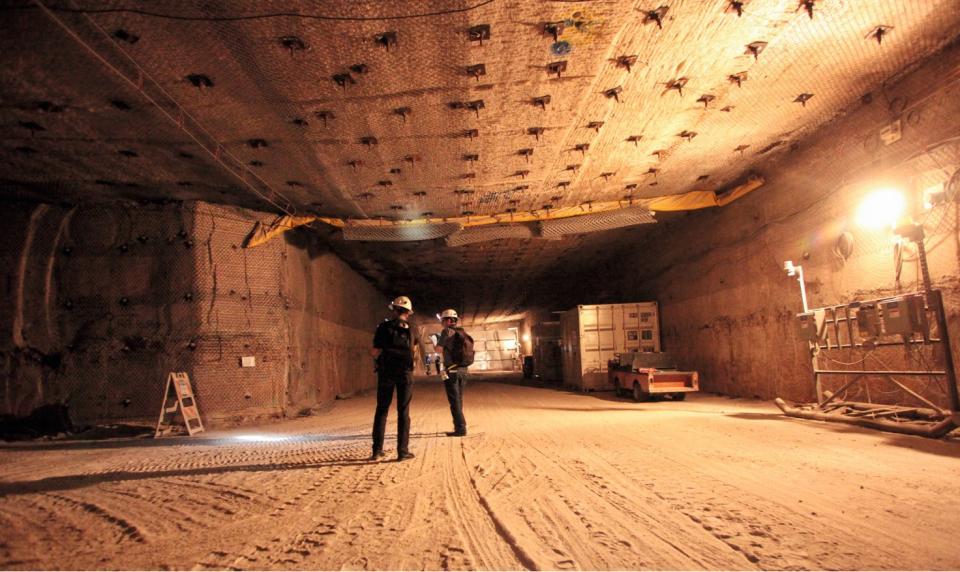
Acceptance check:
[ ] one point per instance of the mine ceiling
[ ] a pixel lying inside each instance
(405, 109)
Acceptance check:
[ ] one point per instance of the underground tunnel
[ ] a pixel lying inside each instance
(480, 284)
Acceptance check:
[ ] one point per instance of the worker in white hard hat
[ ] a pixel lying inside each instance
(393, 348)
(457, 347)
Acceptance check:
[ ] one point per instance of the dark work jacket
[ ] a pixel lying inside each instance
(395, 338)
(445, 341)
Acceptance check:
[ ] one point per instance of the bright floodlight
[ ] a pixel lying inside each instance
(882, 208)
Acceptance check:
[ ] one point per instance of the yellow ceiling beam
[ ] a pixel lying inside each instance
(693, 200)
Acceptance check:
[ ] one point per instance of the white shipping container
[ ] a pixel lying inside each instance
(591, 335)
(495, 349)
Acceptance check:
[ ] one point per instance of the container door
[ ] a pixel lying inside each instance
(631, 328)
(649, 327)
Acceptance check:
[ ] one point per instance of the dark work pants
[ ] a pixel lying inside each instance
(454, 387)
(386, 383)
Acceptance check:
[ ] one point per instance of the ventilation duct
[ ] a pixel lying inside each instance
(488, 233)
(596, 222)
(402, 233)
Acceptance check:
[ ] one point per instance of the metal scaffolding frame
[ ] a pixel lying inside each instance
(836, 332)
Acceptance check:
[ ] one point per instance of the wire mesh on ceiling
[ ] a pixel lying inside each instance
(399, 233)
(339, 122)
(596, 222)
(488, 233)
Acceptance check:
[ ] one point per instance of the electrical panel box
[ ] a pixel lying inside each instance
(902, 316)
(807, 326)
(868, 321)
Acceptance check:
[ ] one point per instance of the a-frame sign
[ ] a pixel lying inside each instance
(178, 397)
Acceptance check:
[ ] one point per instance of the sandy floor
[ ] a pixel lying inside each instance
(546, 480)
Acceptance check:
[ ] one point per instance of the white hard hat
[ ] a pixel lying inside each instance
(449, 313)
(402, 302)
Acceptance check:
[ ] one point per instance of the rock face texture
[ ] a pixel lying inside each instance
(104, 300)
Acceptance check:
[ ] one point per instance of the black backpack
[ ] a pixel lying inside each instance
(462, 348)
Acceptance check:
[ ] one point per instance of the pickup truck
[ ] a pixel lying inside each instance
(649, 376)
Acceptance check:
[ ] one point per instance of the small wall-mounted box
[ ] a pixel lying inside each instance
(248, 361)
(807, 327)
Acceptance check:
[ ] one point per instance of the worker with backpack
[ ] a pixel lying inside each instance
(458, 355)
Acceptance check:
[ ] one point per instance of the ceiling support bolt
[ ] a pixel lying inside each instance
(479, 33)
(627, 62)
(477, 70)
(754, 49)
(293, 44)
(879, 33)
(803, 98)
(325, 115)
(475, 106)
(678, 84)
(554, 29)
(385, 40)
(200, 81)
(342, 79)
(656, 16)
(614, 93)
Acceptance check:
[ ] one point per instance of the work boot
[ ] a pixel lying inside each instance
(405, 456)
(461, 433)
(377, 455)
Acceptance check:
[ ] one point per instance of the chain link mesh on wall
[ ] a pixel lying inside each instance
(239, 297)
(99, 306)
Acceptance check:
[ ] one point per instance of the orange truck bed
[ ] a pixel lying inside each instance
(645, 384)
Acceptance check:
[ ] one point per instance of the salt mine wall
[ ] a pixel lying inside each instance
(108, 298)
(728, 308)
(96, 306)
